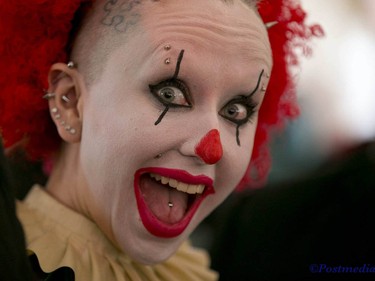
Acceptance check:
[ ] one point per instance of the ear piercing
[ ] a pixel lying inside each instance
(270, 24)
(56, 115)
(71, 64)
(49, 95)
(65, 98)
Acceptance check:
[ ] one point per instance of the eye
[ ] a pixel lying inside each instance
(172, 93)
(237, 112)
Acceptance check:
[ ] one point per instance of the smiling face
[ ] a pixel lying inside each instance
(165, 136)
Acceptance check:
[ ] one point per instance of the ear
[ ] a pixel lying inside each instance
(66, 87)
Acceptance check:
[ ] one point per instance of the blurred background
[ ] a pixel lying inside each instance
(336, 93)
(336, 89)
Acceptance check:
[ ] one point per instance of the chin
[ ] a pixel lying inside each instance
(153, 252)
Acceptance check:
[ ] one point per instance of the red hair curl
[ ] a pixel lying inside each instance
(34, 34)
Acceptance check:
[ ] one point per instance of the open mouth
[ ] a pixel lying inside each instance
(167, 199)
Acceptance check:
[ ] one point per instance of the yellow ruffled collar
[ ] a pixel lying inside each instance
(61, 237)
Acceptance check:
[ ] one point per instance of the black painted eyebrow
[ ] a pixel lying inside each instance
(175, 75)
(180, 56)
(257, 86)
(247, 99)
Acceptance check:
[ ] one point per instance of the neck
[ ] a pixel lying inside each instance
(66, 182)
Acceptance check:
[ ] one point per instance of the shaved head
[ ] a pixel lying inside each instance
(108, 25)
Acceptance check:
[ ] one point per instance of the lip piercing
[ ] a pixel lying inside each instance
(158, 156)
(263, 88)
(167, 61)
(167, 47)
(267, 75)
(170, 204)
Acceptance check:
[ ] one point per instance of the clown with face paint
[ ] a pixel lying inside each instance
(156, 113)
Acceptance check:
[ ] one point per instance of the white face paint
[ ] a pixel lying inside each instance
(225, 50)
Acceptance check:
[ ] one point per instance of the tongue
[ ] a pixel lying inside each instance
(157, 197)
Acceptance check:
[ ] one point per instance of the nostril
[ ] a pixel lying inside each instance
(209, 149)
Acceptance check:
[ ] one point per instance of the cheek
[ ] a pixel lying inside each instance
(236, 160)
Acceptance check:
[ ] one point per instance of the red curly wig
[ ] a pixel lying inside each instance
(34, 34)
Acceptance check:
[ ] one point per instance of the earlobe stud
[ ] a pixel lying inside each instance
(68, 128)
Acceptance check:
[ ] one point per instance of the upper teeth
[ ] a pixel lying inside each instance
(181, 186)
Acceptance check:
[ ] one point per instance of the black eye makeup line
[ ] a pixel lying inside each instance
(247, 100)
(175, 75)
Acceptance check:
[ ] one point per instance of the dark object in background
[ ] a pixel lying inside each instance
(14, 264)
(278, 232)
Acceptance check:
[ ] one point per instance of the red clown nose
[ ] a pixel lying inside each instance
(209, 148)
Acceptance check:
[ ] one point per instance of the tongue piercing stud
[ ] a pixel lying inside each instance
(170, 204)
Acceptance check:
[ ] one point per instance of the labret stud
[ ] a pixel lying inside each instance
(167, 47)
(167, 61)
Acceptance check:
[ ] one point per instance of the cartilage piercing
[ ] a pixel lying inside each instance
(49, 95)
(65, 98)
(71, 64)
(270, 24)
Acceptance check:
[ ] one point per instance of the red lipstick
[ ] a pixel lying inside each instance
(154, 225)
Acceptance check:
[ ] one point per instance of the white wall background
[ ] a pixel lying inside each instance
(336, 88)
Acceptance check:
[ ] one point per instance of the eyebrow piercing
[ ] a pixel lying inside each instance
(168, 61)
